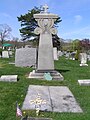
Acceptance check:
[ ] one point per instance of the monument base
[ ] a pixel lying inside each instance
(83, 64)
(39, 74)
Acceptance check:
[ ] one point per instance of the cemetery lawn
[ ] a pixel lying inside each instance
(12, 92)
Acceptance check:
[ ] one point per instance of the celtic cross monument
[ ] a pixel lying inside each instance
(45, 29)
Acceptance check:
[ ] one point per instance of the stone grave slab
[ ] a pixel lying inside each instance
(58, 99)
(84, 82)
(9, 78)
(63, 100)
(25, 57)
(31, 118)
(32, 94)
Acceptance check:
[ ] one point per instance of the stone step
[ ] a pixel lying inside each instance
(55, 75)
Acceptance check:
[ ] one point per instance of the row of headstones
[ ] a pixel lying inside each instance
(82, 56)
(72, 55)
(6, 54)
(26, 57)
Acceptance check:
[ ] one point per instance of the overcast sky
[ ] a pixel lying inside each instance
(75, 15)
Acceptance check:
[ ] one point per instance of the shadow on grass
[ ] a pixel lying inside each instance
(61, 71)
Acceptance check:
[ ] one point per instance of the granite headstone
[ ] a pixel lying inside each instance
(25, 57)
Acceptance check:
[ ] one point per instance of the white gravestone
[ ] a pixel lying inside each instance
(25, 57)
(83, 58)
(5, 54)
(60, 53)
(55, 53)
(9, 78)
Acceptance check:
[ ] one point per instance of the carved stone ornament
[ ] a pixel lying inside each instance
(38, 30)
(53, 31)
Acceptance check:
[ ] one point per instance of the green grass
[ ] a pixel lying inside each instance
(12, 92)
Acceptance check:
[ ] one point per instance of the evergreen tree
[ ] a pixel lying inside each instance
(28, 23)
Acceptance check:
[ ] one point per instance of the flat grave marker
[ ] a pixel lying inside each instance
(58, 99)
(31, 118)
(84, 82)
(9, 78)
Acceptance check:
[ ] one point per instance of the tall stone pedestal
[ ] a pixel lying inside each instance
(45, 62)
(45, 53)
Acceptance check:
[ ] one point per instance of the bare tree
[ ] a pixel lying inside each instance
(15, 41)
(4, 32)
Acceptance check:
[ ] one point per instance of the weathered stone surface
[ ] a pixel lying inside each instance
(84, 82)
(45, 53)
(63, 100)
(25, 57)
(32, 93)
(9, 78)
(5, 54)
(58, 99)
(39, 118)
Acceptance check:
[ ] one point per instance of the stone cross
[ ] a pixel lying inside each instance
(38, 101)
(45, 7)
